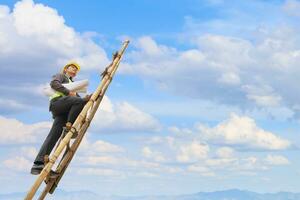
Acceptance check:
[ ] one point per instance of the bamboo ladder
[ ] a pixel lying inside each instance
(80, 126)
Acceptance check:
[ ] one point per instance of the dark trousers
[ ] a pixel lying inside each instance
(65, 109)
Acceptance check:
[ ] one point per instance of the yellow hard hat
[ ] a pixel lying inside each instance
(74, 64)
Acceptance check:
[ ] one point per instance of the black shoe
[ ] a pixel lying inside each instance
(37, 168)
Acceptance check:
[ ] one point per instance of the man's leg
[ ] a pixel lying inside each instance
(75, 111)
(49, 142)
(70, 105)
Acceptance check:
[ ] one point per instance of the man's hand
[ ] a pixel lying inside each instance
(72, 94)
(87, 97)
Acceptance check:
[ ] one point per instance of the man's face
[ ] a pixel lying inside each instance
(71, 71)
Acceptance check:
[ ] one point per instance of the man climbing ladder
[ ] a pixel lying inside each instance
(65, 106)
(80, 127)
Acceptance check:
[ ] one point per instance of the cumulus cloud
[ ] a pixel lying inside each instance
(237, 165)
(28, 152)
(100, 172)
(35, 43)
(122, 117)
(16, 132)
(244, 133)
(291, 7)
(154, 155)
(192, 152)
(205, 160)
(17, 163)
(159, 140)
(101, 160)
(251, 163)
(192, 72)
(99, 147)
(277, 160)
(227, 70)
(197, 148)
(11, 106)
(128, 167)
(200, 169)
(176, 148)
(221, 163)
(225, 152)
(262, 95)
(238, 132)
(116, 161)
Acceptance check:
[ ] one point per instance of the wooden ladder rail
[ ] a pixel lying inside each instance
(79, 125)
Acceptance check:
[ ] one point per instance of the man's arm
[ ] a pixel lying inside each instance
(57, 82)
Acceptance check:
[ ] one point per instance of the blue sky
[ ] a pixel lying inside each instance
(205, 99)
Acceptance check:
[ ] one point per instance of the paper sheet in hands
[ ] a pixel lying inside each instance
(76, 86)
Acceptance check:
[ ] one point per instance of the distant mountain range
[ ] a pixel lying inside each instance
(218, 195)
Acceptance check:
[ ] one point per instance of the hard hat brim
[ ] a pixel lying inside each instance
(72, 64)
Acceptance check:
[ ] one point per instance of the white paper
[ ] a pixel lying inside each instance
(76, 86)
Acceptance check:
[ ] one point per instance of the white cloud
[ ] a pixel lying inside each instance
(225, 152)
(100, 160)
(180, 132)
(192, 152)
(243, 132)
(200, 169)
(100, 172)
(263, 95)
(221, 163)
(125, 167)
(11, 106)
(46, 28)
(251, 163)
(99, 147)
(120, 173)
(155, 155)
(167, 141)
(277, 160)
(16, 132)
(194, 70)
(122, 117)
(150, 47)
(18, 164)
(241, 165)
(28, 152)
(230, 78)
(257, 72)
(220, 49)
(238, 133)
(147, 175)
(292, 7)
(120, 161)
(153, 164)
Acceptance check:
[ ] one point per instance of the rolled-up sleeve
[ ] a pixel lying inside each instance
(57, 82)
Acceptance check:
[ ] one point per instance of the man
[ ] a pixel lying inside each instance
(65, 106)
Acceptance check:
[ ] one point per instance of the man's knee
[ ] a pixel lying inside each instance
(76, 100)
